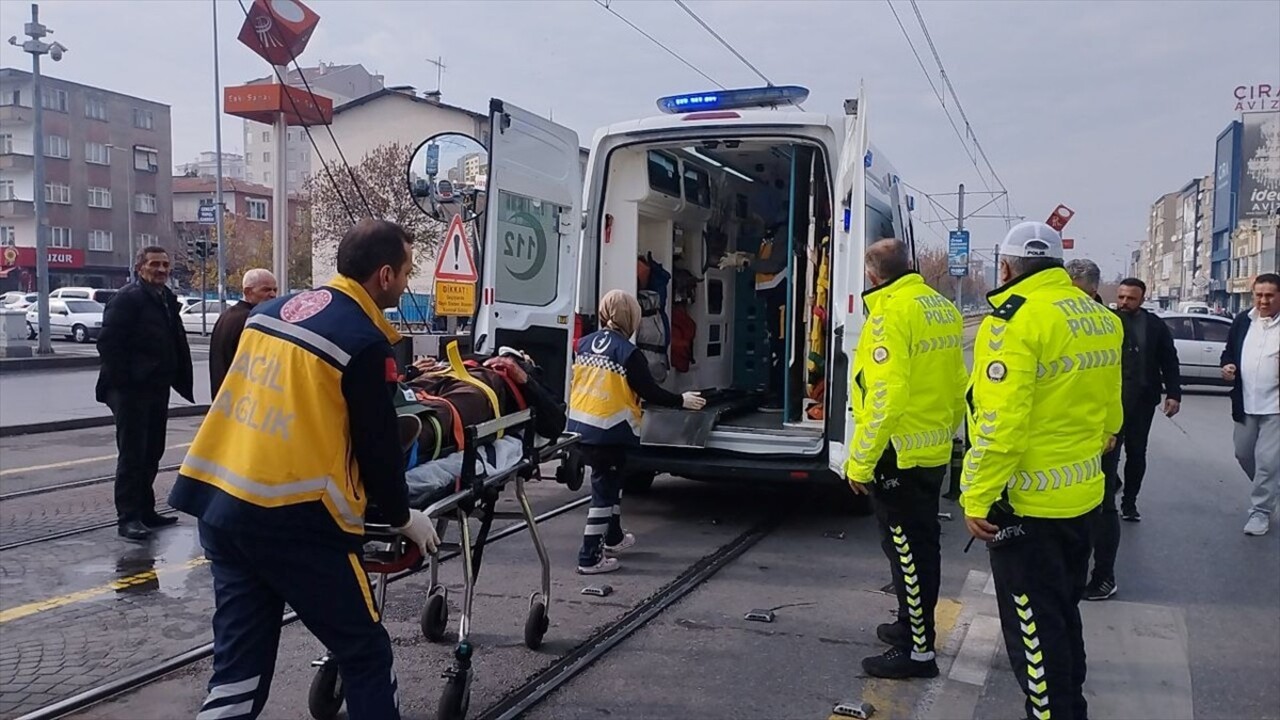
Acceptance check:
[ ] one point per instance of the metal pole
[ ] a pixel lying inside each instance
(960, 226)
(129, 168)
(217, 147)
(280, 197)
(204, 289)
(44, 347)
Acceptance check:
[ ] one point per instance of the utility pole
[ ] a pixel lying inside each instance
(960, 226)
(280, 195)
(440, 66)
(37, 47)
(217, 148)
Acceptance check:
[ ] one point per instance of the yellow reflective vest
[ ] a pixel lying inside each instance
(1043, 399)
(603, 409)
(274, 451)
(908, 378)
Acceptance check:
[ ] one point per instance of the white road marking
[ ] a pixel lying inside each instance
(974, 660)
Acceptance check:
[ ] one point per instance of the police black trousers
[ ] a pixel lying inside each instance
(1039, 567)
(1106, 522)
(906, 506)
(142, 418)
(604, 518)
(253, 578)
(1137, 428)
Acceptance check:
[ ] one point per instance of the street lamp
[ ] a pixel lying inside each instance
(37, 47)
(129, 169)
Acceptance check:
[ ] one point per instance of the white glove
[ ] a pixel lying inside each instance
(422, 531)
(735, 260)
(693, 401)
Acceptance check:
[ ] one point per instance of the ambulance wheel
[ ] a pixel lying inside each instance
(535, 625)
(638, 483)
(435, 618)
(455, 700)
(324, 700)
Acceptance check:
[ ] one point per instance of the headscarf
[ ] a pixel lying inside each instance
(620, 312)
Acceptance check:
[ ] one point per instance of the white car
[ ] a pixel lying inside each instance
(79, 320)
(83, 293)
(191, 320)
(15, 300)
(1199, 340)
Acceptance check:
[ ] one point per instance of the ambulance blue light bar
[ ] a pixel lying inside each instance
(773, 96)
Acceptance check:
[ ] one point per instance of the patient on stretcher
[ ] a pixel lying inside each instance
(447, 399)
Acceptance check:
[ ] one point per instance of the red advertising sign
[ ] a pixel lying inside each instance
(261, 103)
(278, 30)
(26, 257)
(1068, 244)
(1059, 218)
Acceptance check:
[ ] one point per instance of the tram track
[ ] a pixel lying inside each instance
(73, 484)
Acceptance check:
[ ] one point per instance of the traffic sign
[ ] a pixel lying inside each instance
(1068, 244)
(1059, 218)
(455, 261)
(207, 215)
(455, 299)
(958, 253)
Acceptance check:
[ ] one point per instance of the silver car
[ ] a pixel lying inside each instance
(1200, 340)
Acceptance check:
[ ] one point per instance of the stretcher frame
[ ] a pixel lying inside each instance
(475, 496)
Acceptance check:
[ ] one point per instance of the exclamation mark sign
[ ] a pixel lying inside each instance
(457, 252)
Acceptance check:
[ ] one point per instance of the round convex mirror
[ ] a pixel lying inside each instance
(448, 174)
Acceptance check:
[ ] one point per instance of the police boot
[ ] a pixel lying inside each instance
(896, 664)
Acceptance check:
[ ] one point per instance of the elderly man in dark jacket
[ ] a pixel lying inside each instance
(259, 286)
(144, 353)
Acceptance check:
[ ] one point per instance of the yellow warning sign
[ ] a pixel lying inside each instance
(455, 299)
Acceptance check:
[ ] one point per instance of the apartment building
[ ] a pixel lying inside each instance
(340, 83)
(107, 184)
(206, 165)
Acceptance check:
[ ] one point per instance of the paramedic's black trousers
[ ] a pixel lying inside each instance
(906, 505)
(253, 577)
(604, 519)
(141, 417)
(1039, 566)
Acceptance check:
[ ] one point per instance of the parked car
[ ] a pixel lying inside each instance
(98, 295)
(16, 300)
(1199, 340)
(191, 320)
(74, 319)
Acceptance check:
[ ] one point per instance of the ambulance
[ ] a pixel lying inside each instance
(686, 205)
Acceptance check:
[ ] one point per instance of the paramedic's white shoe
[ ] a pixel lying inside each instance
(627, 541)
(606, 565)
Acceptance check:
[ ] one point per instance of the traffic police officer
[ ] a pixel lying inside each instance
(300, 437)
(1044, 405)
(610, 378)
(908, 399)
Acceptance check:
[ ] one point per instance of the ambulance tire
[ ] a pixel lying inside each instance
(638, 483)
(324, 699)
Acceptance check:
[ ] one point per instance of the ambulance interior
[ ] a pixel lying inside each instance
(675, 217)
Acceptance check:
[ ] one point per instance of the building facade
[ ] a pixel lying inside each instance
(107, 183)
(340, 83)
(206, 165)
(1164, 254)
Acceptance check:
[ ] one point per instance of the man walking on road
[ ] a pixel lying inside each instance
(1251, 363)
(144, 353)
(1044, 405)
(908, 383)
(1150, 365)
(1086, 275)
(259, 285)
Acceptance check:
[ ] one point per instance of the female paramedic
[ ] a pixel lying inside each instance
(610, 377)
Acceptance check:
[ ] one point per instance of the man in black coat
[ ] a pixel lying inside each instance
(1150, 367)
(259, 286)
(144, 353)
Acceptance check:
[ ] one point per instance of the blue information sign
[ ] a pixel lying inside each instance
(958, 253)
(207, 215)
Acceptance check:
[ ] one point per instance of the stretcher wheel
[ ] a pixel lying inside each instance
(435, 617)
(637, 483)
(454, 700)
(535, 626)
(570, 473)
(324, 699)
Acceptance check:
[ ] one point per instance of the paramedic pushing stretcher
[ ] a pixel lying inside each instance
(908, 399)
(301, 436)
(610, 376)
(1044, 405)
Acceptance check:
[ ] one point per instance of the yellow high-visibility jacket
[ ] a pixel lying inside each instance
(1043, 399)
(908, 378)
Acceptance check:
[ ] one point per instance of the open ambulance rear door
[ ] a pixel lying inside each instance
(529, 253)
(847, 282)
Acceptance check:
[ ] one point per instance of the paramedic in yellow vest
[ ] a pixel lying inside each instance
(610, 377)
(299, 441)
(1044, 405)
(770, 267)
(907, 385)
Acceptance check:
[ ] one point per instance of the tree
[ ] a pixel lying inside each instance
(933, 266)
(381, 177)
(248, 245)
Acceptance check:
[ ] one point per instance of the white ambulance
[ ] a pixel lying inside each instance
(714, 175)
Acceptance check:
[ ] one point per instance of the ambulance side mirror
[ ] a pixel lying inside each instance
(448, 175)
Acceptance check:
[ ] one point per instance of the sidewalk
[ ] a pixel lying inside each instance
(51, 396)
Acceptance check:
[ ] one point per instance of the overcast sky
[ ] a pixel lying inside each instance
(1103, 106)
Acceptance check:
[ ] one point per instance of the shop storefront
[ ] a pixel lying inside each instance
(67, 268)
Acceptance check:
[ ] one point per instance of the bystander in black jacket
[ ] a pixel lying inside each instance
(1231, 356)
(223, 343)
(1156, 373)
(143, 345)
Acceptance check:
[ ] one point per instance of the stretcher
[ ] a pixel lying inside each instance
(473, 495)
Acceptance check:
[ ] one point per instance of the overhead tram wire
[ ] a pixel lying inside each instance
(727, 45)
(605, 4)
(328, 173)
